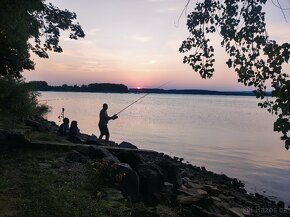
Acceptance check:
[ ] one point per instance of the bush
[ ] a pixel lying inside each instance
(18, 102)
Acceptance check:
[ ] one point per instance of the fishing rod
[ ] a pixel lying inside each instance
(140, 99)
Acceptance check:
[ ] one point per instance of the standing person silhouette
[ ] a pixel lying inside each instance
(103, 123)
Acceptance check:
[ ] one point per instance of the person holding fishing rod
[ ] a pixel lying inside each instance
(104, 118)
(103, 123)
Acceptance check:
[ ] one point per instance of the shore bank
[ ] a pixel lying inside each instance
(146, 183)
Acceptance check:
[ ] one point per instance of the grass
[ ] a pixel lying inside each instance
(47, 136)
(27, 188)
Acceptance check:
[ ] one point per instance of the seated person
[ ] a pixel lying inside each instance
(74, 130)
(63, 129)
(74, 133)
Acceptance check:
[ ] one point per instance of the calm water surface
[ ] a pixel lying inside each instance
(226, 134)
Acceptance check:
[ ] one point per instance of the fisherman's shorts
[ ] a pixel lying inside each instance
(104, 129)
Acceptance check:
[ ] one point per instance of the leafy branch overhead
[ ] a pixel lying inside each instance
(31, 25)
(255, 57)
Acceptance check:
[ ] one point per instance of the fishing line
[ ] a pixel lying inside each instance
(140, 98)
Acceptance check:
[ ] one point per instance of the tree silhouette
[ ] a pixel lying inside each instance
(25, 26)
(31, 25)
(252, 54)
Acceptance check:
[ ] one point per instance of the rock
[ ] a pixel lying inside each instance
(187, 200)
(222, 196)
(111, 158)
(36, 125)
(53, 125)
(166, 194)
(224, 206)
(127, 145)
(212, 190)
(130, 158)
(183, 173)
(83, 149)
(91, 140)
(140, 210)
(42, 125)
(168, 185)
(164, 211)
(111, 194)
(171, 172)
(193, 185)
(185, 180)
(75, 156)
(129, 180)
(45, 165)
(281, 204)
(259, 196)
(193, 192)
(236, 212)
(75, 139)
(151, 180)
(237, 183)
(199, 211)
(217, 199)
(99, 152)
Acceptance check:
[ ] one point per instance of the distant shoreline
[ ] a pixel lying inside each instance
(121, 88)
(192, 92)
(171, 91)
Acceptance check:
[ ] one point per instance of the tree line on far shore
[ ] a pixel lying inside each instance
(95, 87)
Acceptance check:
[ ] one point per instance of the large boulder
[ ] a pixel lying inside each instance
(128, 180)
(90, 140)
(42, 125)
(127, 145)
(102, 153)
(129, 157)
(171, 172)
(151, 181)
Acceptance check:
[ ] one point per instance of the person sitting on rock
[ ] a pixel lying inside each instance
(74, 130)
(74, 133)
(63, 129)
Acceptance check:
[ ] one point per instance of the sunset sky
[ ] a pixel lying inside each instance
(135, 42)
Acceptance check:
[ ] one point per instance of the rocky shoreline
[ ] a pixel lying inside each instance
(150, 183)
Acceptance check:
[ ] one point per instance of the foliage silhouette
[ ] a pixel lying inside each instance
(252, 54)
(31, 25)
(96, 87)
(25, 26)
(17, 102)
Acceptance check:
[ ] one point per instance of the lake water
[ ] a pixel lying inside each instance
(226, 134)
